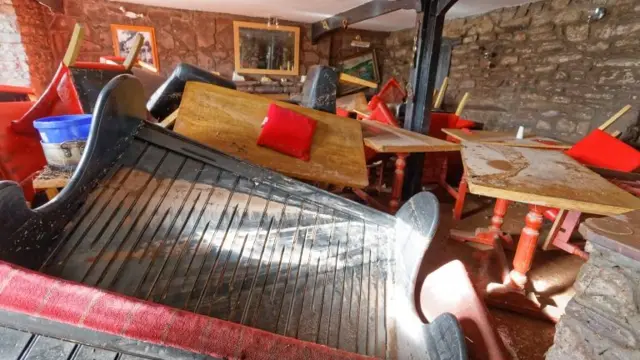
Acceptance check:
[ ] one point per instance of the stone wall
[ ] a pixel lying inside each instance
(543, 65)
(201, 38)
(399, 45)
(13, 66)
(602, 321)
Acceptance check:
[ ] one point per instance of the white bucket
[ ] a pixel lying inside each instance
(63, 155)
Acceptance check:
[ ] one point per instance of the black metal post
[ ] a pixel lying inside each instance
(422, 82)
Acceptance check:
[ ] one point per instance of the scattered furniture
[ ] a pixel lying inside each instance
(389, 139)
(230, 121)
(166, 99)
(212, 256)
(50, 180)
(542, 179)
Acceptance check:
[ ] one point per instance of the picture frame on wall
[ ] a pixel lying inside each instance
(266, 49)
(123, 38)
(363, 65)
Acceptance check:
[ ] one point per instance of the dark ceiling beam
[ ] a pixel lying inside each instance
(360, 13)
(445, 5)
(422, 82)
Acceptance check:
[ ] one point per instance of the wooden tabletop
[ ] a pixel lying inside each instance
(388, 139)
(230, 121)
(548, 178)
(505, 138)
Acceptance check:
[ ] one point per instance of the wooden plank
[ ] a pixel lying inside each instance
(462, 104)
(535, 142)
(555, 228)
(170, 120)
(548, 178)
(73, 49)
(440, 97)
(478, 135)
(230, 121)
(388, 139)
(356, 80)
(132, 58)
(614, 118)
(506, 138)
(353, 102)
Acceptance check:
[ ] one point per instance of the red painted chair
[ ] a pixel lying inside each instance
(72, 90)
(598, 149)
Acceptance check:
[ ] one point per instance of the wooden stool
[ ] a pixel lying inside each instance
(50, 180)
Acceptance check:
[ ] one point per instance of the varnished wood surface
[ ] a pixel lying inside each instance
(506, 138)
(387, 139)
(230, 121)
(541, 177)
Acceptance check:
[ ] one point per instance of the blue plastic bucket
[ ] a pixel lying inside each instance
(58, 129)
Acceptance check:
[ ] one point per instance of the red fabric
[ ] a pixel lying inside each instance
(31, 293)
(288, 132)
(603, 150)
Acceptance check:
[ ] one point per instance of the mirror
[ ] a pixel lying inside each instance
(266, 49)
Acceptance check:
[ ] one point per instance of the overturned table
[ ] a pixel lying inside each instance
(543, 179)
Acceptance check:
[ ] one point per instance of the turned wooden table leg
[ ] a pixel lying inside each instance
(398, 181)
(499, 211)
(527, 246)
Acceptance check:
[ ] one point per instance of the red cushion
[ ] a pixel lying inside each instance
(603, 150)
(287, 132)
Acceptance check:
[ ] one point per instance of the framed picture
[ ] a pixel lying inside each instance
(363, 65)
(268, 50)
(123, 37)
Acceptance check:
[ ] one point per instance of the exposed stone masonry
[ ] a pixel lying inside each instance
(602, 321)
(542, 65)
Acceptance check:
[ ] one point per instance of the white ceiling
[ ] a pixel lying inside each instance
(308, 11)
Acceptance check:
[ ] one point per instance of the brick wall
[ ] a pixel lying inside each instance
(201, 38)
(544, 66)
(13, 66)
(35, 40)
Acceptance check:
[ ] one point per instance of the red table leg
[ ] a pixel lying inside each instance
(398, 181)
(462, 193)
(527, 246)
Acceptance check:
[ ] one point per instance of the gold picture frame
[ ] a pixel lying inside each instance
(122, 37)
(279, 62)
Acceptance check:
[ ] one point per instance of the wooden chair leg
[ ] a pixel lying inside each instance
(51, 193)
(563, 235)
(462, 193)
